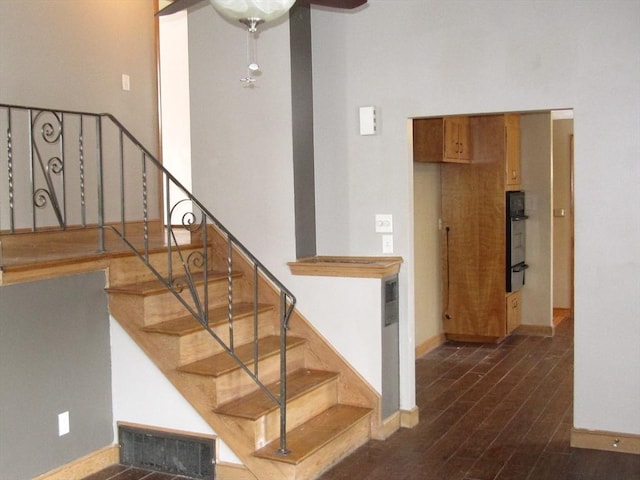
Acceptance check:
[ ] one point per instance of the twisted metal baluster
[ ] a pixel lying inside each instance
(255, 319)
(145, 218)
(99, 151)
(205, 269)
(230, 292)
(123, 223)
(32, 169)
(62, 171)
(83, 203)
(10, 173)
(167, 192)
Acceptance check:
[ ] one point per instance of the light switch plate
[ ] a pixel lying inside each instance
(387, 243)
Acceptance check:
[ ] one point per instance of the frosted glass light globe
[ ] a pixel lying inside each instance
(265, 10)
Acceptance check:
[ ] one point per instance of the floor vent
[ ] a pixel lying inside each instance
(167, 452)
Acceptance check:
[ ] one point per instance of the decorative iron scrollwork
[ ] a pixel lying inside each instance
(46, 130)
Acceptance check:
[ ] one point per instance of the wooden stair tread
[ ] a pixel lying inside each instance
(153, 287)
(258, 404)
(217, 316)
(311, 436)
(222, 363)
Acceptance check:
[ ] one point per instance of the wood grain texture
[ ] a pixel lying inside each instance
(360, 267)
(442, 139)
(474, 230)
(84, 466)
(608, 441)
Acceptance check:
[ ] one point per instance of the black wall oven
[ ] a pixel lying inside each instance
(516, 241)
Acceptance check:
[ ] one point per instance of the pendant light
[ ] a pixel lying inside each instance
(252, 13)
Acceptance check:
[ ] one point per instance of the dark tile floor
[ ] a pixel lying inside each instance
(487, 412)
(491, 412)
(122, 472)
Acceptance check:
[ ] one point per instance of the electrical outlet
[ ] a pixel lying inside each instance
(63, 424)
(384, 223)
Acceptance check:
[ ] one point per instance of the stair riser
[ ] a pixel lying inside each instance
(299, 411)
(237, 383)
(199, 345)
(133, 270)
(165, 306)
(332, 453)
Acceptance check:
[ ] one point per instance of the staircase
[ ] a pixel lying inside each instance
(220, 327)
(330, 411)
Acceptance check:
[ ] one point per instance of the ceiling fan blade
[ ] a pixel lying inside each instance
(177, 6)
(347, 4)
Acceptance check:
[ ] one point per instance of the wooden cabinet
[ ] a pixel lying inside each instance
(442, 139)
(474, 234)
(514, 311)
(512, 151)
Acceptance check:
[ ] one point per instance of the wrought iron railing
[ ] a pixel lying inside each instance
(68, 170)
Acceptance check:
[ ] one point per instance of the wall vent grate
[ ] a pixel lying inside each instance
(167, 452)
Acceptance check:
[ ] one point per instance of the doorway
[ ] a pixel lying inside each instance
(562, 215)
(552, 194)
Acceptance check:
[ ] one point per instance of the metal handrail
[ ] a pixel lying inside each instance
(60, 165)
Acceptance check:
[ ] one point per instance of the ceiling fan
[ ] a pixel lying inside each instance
(179, 5)
(252, 13)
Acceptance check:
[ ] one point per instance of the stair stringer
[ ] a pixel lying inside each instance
(199, 392)
(353, 389)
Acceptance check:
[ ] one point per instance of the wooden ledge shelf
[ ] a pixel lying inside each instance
(361, 267)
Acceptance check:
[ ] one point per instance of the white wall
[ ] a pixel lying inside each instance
(427, 273)
(143, 395)
(417, 57)
(562, 226)
(425, 58)
(243, 172)
(71, 54)
(241, 137)
(536, 160)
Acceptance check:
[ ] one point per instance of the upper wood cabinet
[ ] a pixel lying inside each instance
(442, 139)
(512, 151)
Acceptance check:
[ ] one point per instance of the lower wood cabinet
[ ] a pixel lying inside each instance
(514, 311)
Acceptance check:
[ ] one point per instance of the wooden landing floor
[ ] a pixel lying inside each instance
(34, 256)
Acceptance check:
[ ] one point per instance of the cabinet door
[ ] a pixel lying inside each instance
(514, 311)
(464, 139)
(457, 139)
(512, 151)
(450, 138)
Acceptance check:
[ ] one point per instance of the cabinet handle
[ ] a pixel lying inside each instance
(461, 147)
(513, 174)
